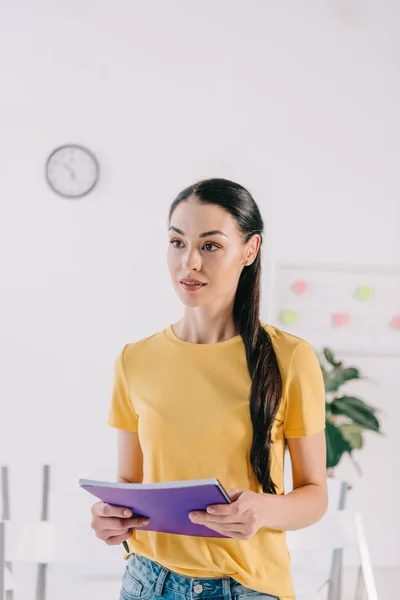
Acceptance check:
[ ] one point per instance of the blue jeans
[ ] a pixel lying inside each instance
(145, 579)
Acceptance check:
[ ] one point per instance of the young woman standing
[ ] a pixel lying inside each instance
(219, 394)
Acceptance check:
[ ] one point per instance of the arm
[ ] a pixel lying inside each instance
(123, 417)
(130, 457)
(114, 524)
(303, 428)
(249, 511)
(308, 501)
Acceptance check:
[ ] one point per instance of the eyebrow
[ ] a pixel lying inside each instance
(202, 235)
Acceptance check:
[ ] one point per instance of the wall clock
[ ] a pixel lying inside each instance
(72, 171)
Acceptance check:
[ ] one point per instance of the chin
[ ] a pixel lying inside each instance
(190, 299)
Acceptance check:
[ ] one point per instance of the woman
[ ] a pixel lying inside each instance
(218, 394)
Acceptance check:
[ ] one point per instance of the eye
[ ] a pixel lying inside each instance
(211, 244)
(173, 243)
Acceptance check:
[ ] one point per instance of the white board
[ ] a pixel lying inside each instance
(352, 310)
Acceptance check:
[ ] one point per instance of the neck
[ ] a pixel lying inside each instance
(197, 328)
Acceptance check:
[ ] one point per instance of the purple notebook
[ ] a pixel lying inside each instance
(167, 505)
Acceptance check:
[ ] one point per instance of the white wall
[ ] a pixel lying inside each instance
(297, 101)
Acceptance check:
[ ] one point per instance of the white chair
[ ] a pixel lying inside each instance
(70, 560)
(69, 552)
(65, 550)
(10, 535)
(6, 578)
(336, 530)
(328, 562)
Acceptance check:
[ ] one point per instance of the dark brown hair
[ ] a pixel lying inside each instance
(266, 387)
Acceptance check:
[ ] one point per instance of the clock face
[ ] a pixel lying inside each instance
(72, 171)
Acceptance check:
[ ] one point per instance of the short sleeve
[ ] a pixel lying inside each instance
(305, 394)
(122, 414)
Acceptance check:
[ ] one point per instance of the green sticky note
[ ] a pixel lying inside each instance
(364, 292)
(288, 317)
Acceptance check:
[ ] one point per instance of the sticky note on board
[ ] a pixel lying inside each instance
(288, 317)
(340, 319)
(395, 322)
(364, 293)
(299, 287)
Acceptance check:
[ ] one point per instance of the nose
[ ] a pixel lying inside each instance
(191, 260)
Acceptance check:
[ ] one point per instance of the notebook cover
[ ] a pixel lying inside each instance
(167, 507)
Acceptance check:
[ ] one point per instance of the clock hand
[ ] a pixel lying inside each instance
(71, 172)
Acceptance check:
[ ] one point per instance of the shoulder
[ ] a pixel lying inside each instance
(142, 349)
(284, 343)
(303, 390)
(294, 354)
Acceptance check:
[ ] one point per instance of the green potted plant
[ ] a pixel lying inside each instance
(347, 417)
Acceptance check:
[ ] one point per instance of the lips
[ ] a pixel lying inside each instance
(187, 280)
(191, 285)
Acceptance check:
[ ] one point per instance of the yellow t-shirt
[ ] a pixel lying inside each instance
(190, 405)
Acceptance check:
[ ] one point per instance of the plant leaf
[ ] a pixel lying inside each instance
(336, 445)
(330, 358)
(353, 434)
(350, 373)
(360, 415)
(332, 381)
(354, 401)
(337, 376)
(355, 463)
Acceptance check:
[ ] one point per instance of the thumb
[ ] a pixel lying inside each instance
(234, 493)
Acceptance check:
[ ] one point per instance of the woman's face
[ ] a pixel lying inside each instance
(206, 245)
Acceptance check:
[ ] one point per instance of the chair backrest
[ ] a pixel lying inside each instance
(6, 580)
(340, 529)
(337, 491)
(67, 537)
(335, 530)
(62, 543)
(2, 560)
(4, 493)
(9, 538)
(49, 543)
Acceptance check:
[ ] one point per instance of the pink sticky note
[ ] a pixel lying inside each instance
(340, 319)
(299, 287)
(396, 322)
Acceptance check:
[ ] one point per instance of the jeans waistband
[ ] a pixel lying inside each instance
(193, 587)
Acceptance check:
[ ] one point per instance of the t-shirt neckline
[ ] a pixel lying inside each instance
(172, 337)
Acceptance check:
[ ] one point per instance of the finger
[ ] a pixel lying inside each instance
(223, 509)
(117, 524)
(106, 534)
(102, 509)
(229, 520)
(229, 532)
(118, 539)
(217, 521)
(136, 522)
(224, 522)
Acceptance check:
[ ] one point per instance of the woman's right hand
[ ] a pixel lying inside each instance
(114, 524)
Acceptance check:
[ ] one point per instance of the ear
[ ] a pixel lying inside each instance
(251, 250)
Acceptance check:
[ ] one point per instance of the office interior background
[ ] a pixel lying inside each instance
(297, 101)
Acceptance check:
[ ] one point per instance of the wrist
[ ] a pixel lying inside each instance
(270, 510)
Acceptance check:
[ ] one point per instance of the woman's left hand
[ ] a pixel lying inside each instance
(240, 519)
